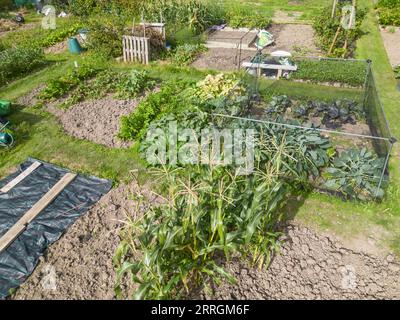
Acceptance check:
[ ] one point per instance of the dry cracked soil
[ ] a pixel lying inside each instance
(310, 265)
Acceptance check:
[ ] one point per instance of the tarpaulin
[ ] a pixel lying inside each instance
(19, 260)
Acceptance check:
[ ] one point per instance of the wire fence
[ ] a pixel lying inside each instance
(371, 133)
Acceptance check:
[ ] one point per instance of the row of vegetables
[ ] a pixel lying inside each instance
(211, 213)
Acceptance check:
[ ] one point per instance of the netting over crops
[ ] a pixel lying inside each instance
(338, 99)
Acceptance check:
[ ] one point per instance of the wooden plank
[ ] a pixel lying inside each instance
(32, 213)
(141, 47)
(20, 177)
(134, 49)
(268, 66)
(146, 50)
(279, 74)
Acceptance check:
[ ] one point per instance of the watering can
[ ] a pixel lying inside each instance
(6, 139)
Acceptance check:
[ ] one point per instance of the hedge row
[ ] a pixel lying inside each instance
(17, 62)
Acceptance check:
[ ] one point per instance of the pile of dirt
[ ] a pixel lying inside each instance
(96, 120)
(314, 266)
(8, 25)
(79, 265)
(57, 48)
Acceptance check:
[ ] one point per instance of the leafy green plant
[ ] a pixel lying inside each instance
(57, 88)
(334, 114)
(105, 36)
(389, 16)
(220, 85)
(168, 99)
(185, 54)
(388, 3)
(278, 105)
(16, 62)
(212, 213)
(350, 73)
(245, 20)
(134, 83)
(397, 72)
(388, 12)
(326, 29)
(356, 173)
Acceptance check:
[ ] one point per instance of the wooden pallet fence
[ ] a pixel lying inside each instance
(136, 49)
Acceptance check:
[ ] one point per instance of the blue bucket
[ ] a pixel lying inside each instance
(74, 46)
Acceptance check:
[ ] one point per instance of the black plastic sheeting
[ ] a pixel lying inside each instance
(19, 260)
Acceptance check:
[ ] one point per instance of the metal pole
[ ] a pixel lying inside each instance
(292, 126)
(384, 169)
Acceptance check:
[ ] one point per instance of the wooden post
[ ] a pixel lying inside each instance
(334, 8)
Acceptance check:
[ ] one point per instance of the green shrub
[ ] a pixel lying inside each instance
(57, 88)
(245, 20)
(388, 3)
(397, 72)
(187, 53)
(356, 174)
(6, 5)
(168, 99)
(352, 73)
(105, 37)
(82, 7)
(17, 62)
(389, 17)
(325, 28)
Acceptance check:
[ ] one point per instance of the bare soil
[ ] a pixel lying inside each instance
(314, 266)
(57, 48)
(286, 17)
(10, 26)
(81, 261)
(96, 120)
(222, 59)
(234, 37)
(297, 38)
(392, 44)
(310, 265)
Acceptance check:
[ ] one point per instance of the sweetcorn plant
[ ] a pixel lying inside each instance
(212, 213)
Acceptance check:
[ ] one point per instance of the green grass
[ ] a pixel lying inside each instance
(39, 135)
(309, 8)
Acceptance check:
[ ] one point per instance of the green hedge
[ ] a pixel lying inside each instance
(348, 72)
(17, 62)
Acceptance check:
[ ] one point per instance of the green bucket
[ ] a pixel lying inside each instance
(74, 46)
(5, 108)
